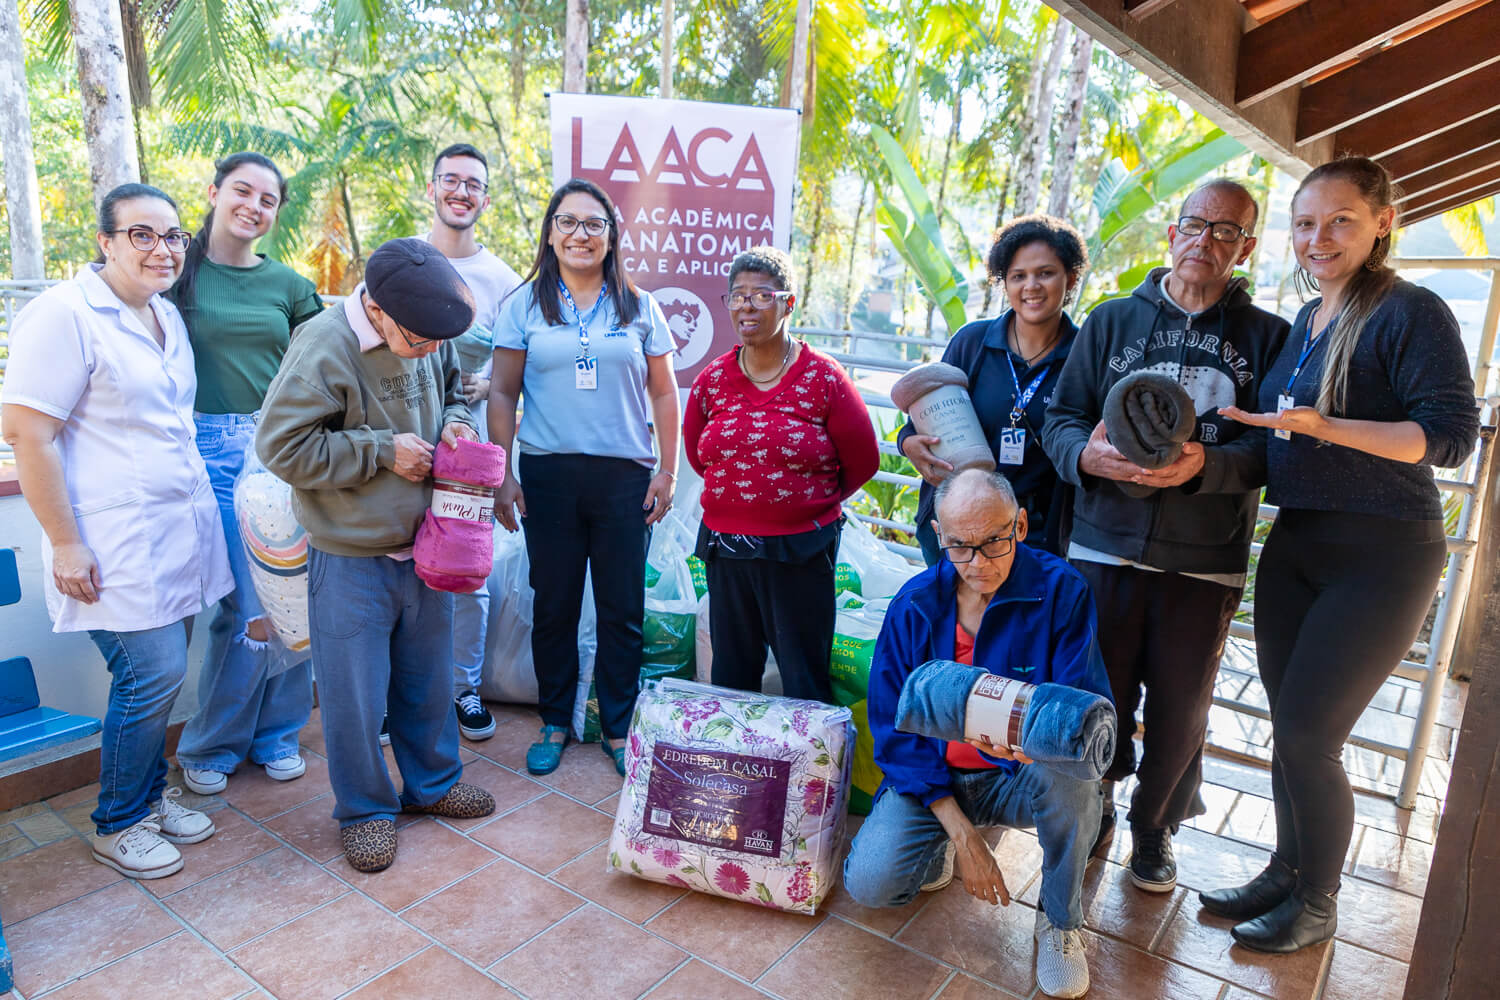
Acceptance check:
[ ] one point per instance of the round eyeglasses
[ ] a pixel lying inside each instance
(144, 238)
(593, 225)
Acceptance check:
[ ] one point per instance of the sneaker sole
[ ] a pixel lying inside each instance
(201, 789)
(477, 735)
(291, 774)
(136, 873)
(177, 838)
(1150, 886)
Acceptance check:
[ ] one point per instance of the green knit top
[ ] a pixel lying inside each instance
(240, 323)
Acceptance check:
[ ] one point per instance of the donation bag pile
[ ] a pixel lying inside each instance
(735, 794)
(276, 550)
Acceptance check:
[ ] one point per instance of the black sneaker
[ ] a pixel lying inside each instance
(474, 720)
(1105, 837)
(385, 731)
(1151, 864)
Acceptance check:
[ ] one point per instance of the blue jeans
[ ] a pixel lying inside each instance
(901, 844)
(382, 640)
(471, 615)
(147, 669)
(246, 709)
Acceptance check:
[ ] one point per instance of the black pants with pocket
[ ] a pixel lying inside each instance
(583, 514)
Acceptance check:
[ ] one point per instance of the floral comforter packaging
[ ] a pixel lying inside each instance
(735, 793)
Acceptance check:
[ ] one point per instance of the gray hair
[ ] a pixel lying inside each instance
(993, 483)
(768, 260)
(1224, 185)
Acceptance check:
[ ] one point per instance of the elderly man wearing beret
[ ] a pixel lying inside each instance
(364, 395)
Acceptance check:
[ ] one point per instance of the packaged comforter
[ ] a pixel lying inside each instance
(734, 793)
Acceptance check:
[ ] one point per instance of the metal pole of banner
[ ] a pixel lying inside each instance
(668, 30)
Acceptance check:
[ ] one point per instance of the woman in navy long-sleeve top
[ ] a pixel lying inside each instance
(1371, 390)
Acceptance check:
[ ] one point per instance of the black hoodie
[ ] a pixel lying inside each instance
(1220, 356)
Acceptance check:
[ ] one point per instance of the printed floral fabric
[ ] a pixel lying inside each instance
(734, 793)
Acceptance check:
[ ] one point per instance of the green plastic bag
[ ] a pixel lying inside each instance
(855, 629)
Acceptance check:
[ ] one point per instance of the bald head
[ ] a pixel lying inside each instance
(972, 491)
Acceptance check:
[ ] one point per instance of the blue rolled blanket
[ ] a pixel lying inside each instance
(1064, 728)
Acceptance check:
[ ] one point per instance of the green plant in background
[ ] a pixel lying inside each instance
(890, 501)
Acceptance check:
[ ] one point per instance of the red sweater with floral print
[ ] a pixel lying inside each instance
(777, 462)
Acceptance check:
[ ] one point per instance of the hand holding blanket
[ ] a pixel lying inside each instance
(1148, 417)
(1063, 728)
(455, 541)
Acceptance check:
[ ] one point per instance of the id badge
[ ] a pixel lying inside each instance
(1012, 445)
(1284, 402)
(586, 372)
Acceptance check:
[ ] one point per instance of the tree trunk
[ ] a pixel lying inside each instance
(99, 41)
(989, 286)
(1033, 151)
(517, 66)
(794, 84)
(666, 48)
(576, 48)
(21, 204)
(356, 259)
(1066, 155)
(819, 197)
(859, 212)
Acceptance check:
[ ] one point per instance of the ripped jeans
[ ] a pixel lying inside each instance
(244, 711)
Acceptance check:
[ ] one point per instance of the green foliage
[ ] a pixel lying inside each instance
(1466, 226)
(918, 238)
(891, 501)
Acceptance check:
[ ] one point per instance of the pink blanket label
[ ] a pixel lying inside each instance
(463, 502)
(717, 799)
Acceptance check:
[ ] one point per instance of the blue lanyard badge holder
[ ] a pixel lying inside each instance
(1013, 437)
(585, 365)
(1286, 400)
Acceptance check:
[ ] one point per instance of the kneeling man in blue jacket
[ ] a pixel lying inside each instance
(1012, 610)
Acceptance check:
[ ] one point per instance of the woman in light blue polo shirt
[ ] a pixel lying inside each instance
(592, 356)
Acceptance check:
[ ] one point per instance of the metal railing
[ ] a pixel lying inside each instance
(14, 295)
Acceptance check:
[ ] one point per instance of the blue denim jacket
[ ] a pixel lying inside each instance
(1040, 626)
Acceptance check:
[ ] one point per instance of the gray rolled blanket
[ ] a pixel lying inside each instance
(1148, 418)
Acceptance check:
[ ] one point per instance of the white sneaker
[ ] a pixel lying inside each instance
(137, 851)
(1062, 968)
(945, 877)
(287, 768)
(204, 782)
(178, 823)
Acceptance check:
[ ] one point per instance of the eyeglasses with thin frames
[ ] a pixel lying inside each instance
(452, 182)
(144, 238)
(1223, 230)
(593, 225)
(991, 548)
(761, 298)
(419, 344)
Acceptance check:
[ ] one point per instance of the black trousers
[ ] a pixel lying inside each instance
(583, 513)
(756, 602)
(1338, 600)
(1164, 633)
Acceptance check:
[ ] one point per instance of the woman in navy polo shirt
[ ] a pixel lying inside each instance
(1013, 362)
(592, 355)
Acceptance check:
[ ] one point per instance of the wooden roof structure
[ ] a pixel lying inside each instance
(1414, 84)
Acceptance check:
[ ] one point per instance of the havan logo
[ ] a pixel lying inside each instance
(760, 841)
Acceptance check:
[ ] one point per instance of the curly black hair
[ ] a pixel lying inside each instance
(773, 262)
(1024, 230)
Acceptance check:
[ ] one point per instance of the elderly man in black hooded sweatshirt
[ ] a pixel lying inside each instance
(1167, 569)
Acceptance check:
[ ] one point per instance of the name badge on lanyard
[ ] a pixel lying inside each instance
(1012, 445)
(1285, 400)
(585, 365)
(1013, 438)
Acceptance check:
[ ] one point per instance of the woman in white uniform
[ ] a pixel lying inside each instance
(98, 405)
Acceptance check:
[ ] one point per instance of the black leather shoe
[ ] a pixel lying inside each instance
(1262, 894)
(1152, 866)
(1305, 918)
(1105, 837)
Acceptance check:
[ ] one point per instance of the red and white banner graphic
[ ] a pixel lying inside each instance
(694, 184)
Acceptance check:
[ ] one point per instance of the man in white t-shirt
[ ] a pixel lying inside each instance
(458, 189)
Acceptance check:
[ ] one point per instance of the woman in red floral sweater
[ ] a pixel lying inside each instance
(781, 438)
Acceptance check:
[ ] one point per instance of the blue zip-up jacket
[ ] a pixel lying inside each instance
(1039, 627)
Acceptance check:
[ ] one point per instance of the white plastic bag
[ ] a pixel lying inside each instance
(509, 674)
(866, 567)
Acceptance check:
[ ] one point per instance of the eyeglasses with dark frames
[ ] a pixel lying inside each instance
(1223, 230)
(418, 344)
(991, 548)
(144, 238)
(452, 182)
(593, 225)
(761, 298)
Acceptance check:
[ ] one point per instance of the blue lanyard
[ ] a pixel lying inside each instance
(1308, 346)
(583, 321)
(1023, 398)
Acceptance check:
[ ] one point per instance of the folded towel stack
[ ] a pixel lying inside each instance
(1063, 728)
(455, 541)
(1148, 417)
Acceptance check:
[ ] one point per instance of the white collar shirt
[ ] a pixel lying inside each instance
(137, 486)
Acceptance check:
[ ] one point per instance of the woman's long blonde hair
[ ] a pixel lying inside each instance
(1369, 286)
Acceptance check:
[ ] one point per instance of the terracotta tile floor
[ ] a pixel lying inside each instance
(520, 905)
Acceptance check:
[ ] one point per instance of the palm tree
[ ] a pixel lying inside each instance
(23, 210)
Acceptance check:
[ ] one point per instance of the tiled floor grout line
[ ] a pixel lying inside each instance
(943, 985)
(504, 955)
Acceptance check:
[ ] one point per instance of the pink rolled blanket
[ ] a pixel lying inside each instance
(455, 542)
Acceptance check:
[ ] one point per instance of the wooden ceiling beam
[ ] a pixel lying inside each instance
(1453, 187)
(1139, 9)
(1480, 162)
(1437, 206)
(1408, 164)
(1399, 73)
(1322, 34)
(1265, 10)
(1443, 108)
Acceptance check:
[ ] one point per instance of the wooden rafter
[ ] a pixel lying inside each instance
(1478, 163)
(1322, 34)
(1439, 110)
(1399, 73)
(1439, 150)
(1417, 213)
(1456, 188)
(1265, 10)
(1145, 8)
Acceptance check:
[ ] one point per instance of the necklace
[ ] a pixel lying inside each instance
(775, 375)
(1016, 339)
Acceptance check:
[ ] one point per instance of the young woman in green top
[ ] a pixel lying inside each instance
(240, 308)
